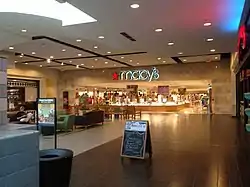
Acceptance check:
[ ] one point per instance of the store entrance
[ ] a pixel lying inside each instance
(159, 96)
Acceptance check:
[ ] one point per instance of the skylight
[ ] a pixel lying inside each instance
(67, 13)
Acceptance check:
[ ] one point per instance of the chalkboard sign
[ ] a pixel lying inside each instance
(136, 139)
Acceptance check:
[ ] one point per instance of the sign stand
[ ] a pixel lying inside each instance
(47, 115)
(136, 140)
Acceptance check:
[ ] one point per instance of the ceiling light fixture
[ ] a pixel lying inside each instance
(106, 62)
(41, 66)
(164, 61)
(170, 43)
(46, 8)
(63, 50)
(24, 30)
(78, 40)
(96, 59)
(135, 6)
(122, 57)
(184, 60)
(21, 56)
(33, 53)
(114, 64)
(130, 60)
(101, 37)
(82, 64)
(48, 60)
(209, 39)
(180, 53)
(207, 24)
(15, 61)
(77, 66)
(92, 66)
(96, 47)
(11, 48)
(158, 30)
(26, 63)
(108, 52)
(137, 63)
(62, 64)
(216, 58)
(51, 57)
(79, 54)
(212, 50)
(159, 58)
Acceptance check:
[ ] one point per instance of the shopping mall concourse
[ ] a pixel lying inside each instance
(124, 93)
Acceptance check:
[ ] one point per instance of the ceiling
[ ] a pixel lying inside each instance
(181, 21)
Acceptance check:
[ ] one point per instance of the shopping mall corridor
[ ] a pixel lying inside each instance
(188, 150)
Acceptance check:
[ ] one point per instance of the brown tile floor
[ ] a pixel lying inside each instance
(188, 150)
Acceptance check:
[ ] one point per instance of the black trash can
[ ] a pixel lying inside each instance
(55, 167)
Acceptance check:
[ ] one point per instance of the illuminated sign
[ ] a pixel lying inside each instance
(138, 75)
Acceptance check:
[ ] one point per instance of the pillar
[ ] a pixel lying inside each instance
(3, 91)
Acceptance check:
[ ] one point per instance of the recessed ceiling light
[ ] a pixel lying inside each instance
(159, 58)
(11, 48)
(77, 66)
(51, 57)
(62, 64)
(108, 52)
(170, 43)
(114, 64)
(15, 61)
(78, 40)
(158, 30)
(135, 6)
(96, 59)
(122, 57)
(212, 50)
(130, 60)
(164, 61)
(48, 60)
(207, 24)
(63, 50)
(137, 63)
(92, 66)
(33, 53)
(24, 30)
(209, 39)
(216, 67)
(82, 64)
(79, 54)
(41, 66)
(26, 63)
(180, 53)
(96, 47)
(70, 61)
(21, 56)
(106, 62)
(101, 37)
(184, 60)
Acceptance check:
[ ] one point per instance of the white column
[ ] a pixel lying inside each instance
(3, 91)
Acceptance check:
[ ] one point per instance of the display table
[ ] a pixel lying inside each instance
(19, 157)
(168, 107)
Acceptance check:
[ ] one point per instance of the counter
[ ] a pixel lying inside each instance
(157, 107)
(19, 157)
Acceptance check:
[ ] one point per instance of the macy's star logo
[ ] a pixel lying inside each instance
(115, 76)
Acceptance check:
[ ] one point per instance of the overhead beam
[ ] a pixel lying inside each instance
(79, 48)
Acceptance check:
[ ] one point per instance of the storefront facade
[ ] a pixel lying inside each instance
(217, 73)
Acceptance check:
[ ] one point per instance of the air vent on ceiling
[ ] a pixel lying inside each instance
(128, 36)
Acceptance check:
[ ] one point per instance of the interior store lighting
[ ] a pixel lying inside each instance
(48, 8)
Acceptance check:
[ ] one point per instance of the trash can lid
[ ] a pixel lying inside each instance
(55, 154)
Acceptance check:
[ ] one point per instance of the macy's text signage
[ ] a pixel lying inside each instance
(138, 75)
